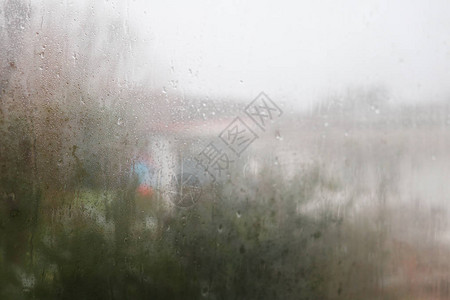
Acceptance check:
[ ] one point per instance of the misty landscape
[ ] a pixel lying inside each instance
(180, 151)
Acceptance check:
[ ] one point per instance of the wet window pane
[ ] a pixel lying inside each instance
(224, 150)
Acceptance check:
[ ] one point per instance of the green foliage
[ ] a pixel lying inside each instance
(222, 248)
(73, 227)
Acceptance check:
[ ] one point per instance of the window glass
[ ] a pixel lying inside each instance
(224, 150)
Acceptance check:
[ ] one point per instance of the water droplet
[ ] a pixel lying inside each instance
(238, 214)
(205, 291)
(220, 228)
(278, 136)
(174, 83)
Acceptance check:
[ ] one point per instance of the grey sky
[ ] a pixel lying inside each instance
(294, 51)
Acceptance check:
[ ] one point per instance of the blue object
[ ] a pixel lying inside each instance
(145, 173)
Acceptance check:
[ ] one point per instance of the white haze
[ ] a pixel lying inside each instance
(296, 51)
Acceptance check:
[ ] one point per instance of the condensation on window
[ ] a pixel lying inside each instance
(224, 150)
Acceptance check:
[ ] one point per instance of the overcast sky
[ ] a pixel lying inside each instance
(293, 50)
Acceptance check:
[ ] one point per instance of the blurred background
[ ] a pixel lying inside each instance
(224, 150)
